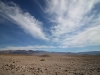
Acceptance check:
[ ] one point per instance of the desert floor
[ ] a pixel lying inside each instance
(49, 65)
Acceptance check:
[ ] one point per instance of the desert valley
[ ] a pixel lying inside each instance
(49, 64)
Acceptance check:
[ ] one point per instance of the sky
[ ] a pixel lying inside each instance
(50, 25)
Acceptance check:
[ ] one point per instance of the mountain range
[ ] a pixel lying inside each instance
(46, 52)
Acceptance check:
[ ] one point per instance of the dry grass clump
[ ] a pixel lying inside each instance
(42, 59)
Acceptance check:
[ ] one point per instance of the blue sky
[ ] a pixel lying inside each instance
(50, 25)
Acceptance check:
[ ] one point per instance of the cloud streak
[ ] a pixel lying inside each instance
(75, 22)
(26, 21)
(37, 47)
(89, 37)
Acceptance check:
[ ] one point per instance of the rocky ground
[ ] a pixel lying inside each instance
(49, 65)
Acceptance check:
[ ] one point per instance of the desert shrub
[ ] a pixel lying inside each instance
(42, 59)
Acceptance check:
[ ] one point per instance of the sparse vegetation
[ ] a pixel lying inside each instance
(42, 59)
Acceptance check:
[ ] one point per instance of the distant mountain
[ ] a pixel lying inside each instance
(23, 52)
(45, 52)
(90, 53)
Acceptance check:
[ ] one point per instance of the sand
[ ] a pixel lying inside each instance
(49, 65)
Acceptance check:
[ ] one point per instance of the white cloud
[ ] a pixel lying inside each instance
(42, 47)
(26, 21)
(75, 22)
(90, 36)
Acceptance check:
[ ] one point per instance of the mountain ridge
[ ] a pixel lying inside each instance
(46, 52)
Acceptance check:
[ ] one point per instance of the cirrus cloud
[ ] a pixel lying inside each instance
(76, 23)
(30, 47)
(26, 21)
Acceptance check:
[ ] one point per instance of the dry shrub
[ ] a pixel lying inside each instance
(42, 59)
